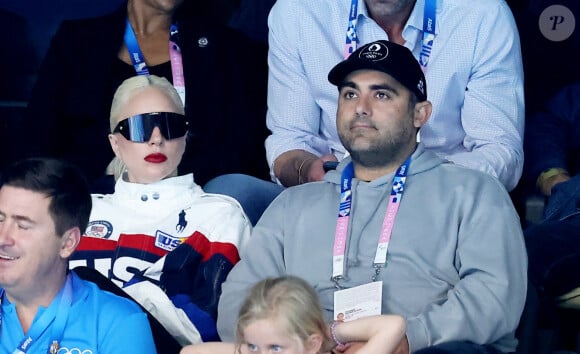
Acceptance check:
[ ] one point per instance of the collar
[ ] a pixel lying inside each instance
(419, 164)
(172, 188)
(414, 26)
(416, 17)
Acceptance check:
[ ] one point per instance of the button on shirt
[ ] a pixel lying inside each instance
(474, 80)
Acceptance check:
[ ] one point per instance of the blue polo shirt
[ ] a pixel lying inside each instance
(98, 322)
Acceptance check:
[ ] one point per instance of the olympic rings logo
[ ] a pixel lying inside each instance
(65, 350)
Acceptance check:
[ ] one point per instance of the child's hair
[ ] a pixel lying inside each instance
(287, 299)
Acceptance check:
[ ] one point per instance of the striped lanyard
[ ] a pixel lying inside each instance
(429, 17)
(54, 315)
(342, 222)
(138, 59)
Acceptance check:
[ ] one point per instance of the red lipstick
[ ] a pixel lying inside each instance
(156, 158)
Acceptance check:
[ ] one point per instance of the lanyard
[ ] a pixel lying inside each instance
(55, 315)
(351, 37)
(344, 215)
(428, 31)
(138, 59)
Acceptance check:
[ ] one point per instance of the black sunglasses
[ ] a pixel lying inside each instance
(139, 128)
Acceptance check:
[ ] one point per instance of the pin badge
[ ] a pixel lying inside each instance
(54, 347)
(202, 42)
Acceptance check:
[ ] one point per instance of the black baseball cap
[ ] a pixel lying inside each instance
(388, 57)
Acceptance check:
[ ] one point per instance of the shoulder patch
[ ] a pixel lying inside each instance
(99, 229)
(166, 241)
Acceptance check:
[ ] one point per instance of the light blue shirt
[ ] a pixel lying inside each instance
(474, 80)
(98, 322)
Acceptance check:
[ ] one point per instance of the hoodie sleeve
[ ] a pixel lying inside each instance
(486, 303)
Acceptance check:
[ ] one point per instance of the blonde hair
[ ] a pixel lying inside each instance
(288, 299)
(125, 92)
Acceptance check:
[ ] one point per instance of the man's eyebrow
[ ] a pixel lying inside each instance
(375, 87)
(349, 84)
(20, 218)
(17, 218)
(386, 87)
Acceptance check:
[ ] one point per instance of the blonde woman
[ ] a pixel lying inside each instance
(162, 239)
(283, 315)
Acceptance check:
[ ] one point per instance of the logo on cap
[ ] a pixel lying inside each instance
(421, 86)
(374, 52)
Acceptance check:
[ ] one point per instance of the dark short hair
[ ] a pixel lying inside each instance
(61, 181)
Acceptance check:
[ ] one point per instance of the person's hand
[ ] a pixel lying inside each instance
(298, 166)
(312, 169)
(548, 184)
(403, 347)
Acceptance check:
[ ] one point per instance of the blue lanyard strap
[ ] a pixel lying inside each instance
(351, 37)
(56, 315)
(135, 53)
(346, 190)
(429, 21)
(429, 18)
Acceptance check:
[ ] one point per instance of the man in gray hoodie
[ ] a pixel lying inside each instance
(441, 243)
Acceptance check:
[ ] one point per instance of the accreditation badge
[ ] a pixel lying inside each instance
(360, 301)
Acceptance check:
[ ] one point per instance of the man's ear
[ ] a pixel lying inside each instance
(70, 241)
(313, 344)
(422, 113)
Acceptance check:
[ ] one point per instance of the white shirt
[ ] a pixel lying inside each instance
(474, 80)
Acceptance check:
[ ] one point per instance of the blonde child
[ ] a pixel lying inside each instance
(283, 315)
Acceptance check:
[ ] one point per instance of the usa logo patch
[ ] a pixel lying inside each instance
(166, 241)
(99, 229)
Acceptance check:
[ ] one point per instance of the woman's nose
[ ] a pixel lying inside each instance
(156, 137)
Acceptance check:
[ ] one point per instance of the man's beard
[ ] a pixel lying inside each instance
(381, 155)
(383, 151)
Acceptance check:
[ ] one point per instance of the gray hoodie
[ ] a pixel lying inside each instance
(456, 266)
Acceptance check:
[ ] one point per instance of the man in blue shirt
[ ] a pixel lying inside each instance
(44, 205)
(475, 80)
